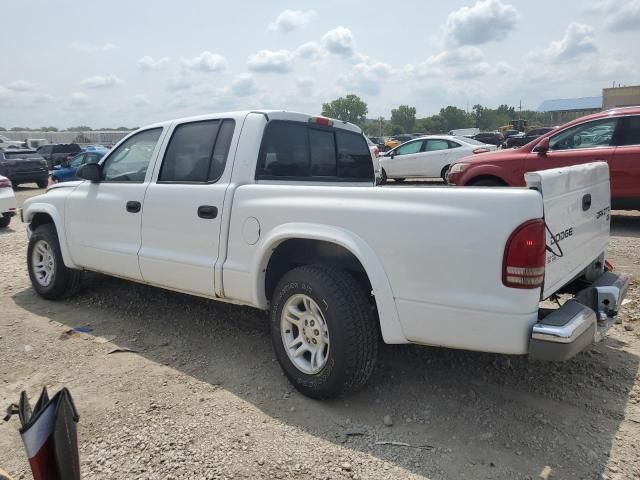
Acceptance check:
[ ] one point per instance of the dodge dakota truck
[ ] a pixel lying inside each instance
(280, 211)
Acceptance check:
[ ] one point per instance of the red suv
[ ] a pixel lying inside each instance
(612, 136)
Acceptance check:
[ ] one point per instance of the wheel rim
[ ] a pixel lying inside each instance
(305, 334)
(43, 263)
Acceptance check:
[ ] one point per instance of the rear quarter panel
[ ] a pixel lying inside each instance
(440, 249)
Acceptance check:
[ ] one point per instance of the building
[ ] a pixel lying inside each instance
(562, 110)
(620, 97)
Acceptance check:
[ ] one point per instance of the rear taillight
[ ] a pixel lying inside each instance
(321, 121)
(524, 256)
(481, 150)
(5, 183)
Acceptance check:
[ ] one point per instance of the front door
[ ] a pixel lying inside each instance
(583, 143)
(405, 160)
(103, 219)
(183, 208)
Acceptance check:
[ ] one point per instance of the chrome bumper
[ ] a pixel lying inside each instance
(581, 321)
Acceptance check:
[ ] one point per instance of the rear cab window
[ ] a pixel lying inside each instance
(298, 151)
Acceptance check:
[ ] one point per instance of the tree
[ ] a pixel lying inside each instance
(48, 129)
(405, 116)
(349, 109)
(2, 129)
(454, 117)
(79, 128)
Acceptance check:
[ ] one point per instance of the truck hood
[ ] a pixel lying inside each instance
(71, 184)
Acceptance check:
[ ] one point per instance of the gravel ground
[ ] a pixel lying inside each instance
(202, 396)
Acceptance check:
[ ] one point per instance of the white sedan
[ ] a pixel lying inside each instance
(8, 205)
(428, 156)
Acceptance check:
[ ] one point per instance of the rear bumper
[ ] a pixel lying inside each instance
(579, 322)
(27, 177)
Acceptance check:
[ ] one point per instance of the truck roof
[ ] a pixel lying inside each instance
(270, 114)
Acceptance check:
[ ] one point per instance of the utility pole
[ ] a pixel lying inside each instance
(381, 119)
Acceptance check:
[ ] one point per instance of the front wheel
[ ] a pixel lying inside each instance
(50, 278)
(4, 221)
(383, 177)
(323, 330)
(42, 183)
(443, 172)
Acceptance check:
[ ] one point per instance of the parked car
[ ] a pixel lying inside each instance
(429, 156)
(6, 143)
(24, 166)
(522, 138)
(612, 136)
(396, 140)
(493, 138)
(510, 133)
(279, 211)
(464, 132)
(66, 171)
(8, 205)
(55, 154)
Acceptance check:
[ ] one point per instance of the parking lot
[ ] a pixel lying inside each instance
(200, 395)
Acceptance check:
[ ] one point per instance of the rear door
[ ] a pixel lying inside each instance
(625, 166)
(576, 212)
(583, 143)
(183, 208)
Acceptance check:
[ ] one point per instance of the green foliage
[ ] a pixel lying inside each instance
(48, 129)
(79, 128)
(349, 109)
(396, 129)
(2, 129)
(405, 117)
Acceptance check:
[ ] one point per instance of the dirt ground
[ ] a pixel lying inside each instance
(202, 397)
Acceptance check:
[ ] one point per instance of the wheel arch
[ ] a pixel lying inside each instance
(477, 178)
(332, 242)
(40, 214)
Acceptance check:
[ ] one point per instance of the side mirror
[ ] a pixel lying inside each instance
(543, 146)
(90, 171)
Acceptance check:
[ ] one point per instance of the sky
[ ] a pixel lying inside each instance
(130, 63)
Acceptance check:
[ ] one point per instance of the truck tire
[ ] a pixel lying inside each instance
(487, 182)
(323, 330)
(50, 278)
(4, 221)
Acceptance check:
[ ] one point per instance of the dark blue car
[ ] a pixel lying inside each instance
(67, 171)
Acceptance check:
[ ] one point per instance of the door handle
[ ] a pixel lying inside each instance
(207, 211)
(133, 206)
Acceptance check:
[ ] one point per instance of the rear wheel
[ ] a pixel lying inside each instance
(323, 330)
(4, 221)
(50, 278)
(487, 182)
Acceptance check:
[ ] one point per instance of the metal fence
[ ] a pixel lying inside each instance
(101, 137)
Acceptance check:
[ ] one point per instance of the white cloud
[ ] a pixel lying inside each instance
(88, 47)
(21, 86)
(366, 76)
(102, 81)
(458, 63)
(141, 100)
(619, 16)
(206, 62)
(147, 63)
(244, 85)
(577, 41)
(339, 41)
(270, 61)
(79, 99)
(482, 22)
(309, 50)
(290, 20)
(305, 86)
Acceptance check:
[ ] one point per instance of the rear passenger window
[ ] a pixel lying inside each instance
(197, 152)
(297, 151)
(630, 135)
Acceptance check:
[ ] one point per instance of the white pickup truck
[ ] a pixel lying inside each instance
(280, 211)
